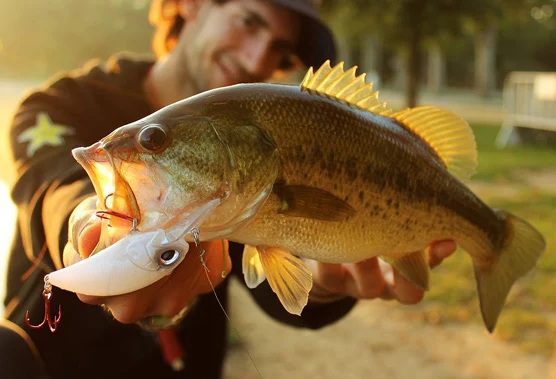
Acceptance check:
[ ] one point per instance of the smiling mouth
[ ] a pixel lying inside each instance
(229, 74)
(113, 191)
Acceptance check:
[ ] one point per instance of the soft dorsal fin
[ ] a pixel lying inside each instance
(449, 135)
(344, 86)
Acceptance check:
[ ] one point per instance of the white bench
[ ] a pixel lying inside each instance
(530, 101)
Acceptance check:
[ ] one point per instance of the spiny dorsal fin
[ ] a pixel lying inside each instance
(449, 135)
(344, 86)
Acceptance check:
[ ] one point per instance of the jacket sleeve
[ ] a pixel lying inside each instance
(47, 125)
(314, 316)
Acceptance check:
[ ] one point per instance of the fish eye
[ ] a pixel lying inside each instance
(168, 257)
(153, 138)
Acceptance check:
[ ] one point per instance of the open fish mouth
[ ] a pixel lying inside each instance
(116, 200)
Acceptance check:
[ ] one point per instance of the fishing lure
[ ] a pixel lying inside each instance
(134, 262)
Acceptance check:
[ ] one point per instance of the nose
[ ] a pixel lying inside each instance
(257, 57)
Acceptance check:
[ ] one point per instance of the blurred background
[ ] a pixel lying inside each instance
(491, 61)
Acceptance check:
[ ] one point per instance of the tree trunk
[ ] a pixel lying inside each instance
(485, 52)
(415, 8)
(370, 57)
(344, 43)
(435, 69)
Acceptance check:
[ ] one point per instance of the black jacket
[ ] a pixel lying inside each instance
(88, 104)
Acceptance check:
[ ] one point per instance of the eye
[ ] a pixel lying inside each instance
(246, 21)
(168, 257)
(287, 63)
(153, 138)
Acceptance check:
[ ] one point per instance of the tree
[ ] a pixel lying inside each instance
(410, 24)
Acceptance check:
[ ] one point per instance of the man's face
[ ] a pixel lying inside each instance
(239, 41)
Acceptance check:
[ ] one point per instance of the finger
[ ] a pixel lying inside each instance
(128, 308)
(168, 296)
(403, 290)
(88, 239)
(388, 274)
(331, 277)
(190, 279)
(367, 280)
(91, 300)
(440, 250)
(70, 255)
(217, 264)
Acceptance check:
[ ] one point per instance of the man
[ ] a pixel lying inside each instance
(201, 44)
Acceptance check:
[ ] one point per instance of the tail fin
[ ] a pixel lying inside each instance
(517, 256)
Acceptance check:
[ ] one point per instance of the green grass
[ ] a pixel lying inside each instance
(499, 165)
(529, 317)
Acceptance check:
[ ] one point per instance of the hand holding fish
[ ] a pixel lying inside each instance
(371, 278)
(323, 172)
(166, 297)
(363, 280)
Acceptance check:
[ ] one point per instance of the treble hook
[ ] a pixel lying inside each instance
(46, 294)
(102, 214)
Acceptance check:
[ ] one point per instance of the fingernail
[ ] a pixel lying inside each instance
(444, 249)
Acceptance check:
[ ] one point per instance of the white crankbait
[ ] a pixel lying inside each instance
(132, 263)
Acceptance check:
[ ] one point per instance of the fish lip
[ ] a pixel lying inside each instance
(83, 156)
(98, 154)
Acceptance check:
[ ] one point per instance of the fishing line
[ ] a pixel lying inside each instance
(195, 233)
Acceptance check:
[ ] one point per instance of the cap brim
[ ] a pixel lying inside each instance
(317, 41)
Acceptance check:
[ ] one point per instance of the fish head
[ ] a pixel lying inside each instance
(158, 171)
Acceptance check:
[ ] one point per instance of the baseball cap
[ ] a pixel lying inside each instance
(317, 42)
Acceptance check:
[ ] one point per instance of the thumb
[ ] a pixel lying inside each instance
(88, 239)
(70, 256)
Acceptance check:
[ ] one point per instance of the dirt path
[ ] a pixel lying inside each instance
(376, 340)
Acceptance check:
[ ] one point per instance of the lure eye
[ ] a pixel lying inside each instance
(153, 138)
(168, 257)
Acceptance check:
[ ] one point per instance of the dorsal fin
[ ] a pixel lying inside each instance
(446, 133)
(344, 86)
(449, 135)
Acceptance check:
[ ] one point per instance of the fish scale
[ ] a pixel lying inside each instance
(374, 175)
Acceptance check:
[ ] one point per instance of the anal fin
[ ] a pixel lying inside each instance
(413, 267)
(288, 277)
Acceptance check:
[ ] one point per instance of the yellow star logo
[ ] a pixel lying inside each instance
(42, 134)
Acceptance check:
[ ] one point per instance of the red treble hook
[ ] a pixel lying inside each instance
(52, 324)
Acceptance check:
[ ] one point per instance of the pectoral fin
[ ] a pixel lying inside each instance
(288, 277)
(413, 267)
(311, 202)
(253, 271)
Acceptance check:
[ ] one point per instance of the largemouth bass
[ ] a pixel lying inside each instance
(322, 171)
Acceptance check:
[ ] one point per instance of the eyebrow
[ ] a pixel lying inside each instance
(280, 43)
